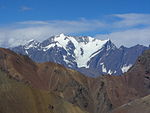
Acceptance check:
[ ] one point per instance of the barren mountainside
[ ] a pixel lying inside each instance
(38, 83)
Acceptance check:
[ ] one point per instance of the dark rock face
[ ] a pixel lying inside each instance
(108, 59)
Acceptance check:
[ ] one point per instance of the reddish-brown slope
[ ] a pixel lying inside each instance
(67, 83)
(17, 97)
(44, 75)
(133, 84)
(96, 95)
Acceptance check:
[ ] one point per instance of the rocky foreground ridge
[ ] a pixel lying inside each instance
(29, 87)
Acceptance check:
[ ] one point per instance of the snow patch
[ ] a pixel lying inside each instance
(26, 52)
(48, 47)
(104, 69)
(125, 68)
(101, 63)
(67, 62)
(32, 44)
(110, 72)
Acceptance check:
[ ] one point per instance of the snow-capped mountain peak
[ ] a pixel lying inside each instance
(31, 44)
(85, 54)
(82, 51)
(62, 35)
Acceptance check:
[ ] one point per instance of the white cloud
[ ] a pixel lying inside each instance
(131, 20)
(129, 37)
(33, 22)
(125, 29)
(21, 32)
(25, 8)
(129, 30)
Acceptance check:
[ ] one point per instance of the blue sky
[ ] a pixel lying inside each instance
(123, 21)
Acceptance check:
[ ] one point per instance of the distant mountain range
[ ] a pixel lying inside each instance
(87, 55)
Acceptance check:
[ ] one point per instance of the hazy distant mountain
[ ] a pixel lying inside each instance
(88, 55)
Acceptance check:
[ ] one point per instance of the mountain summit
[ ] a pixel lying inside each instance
(88, 55)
